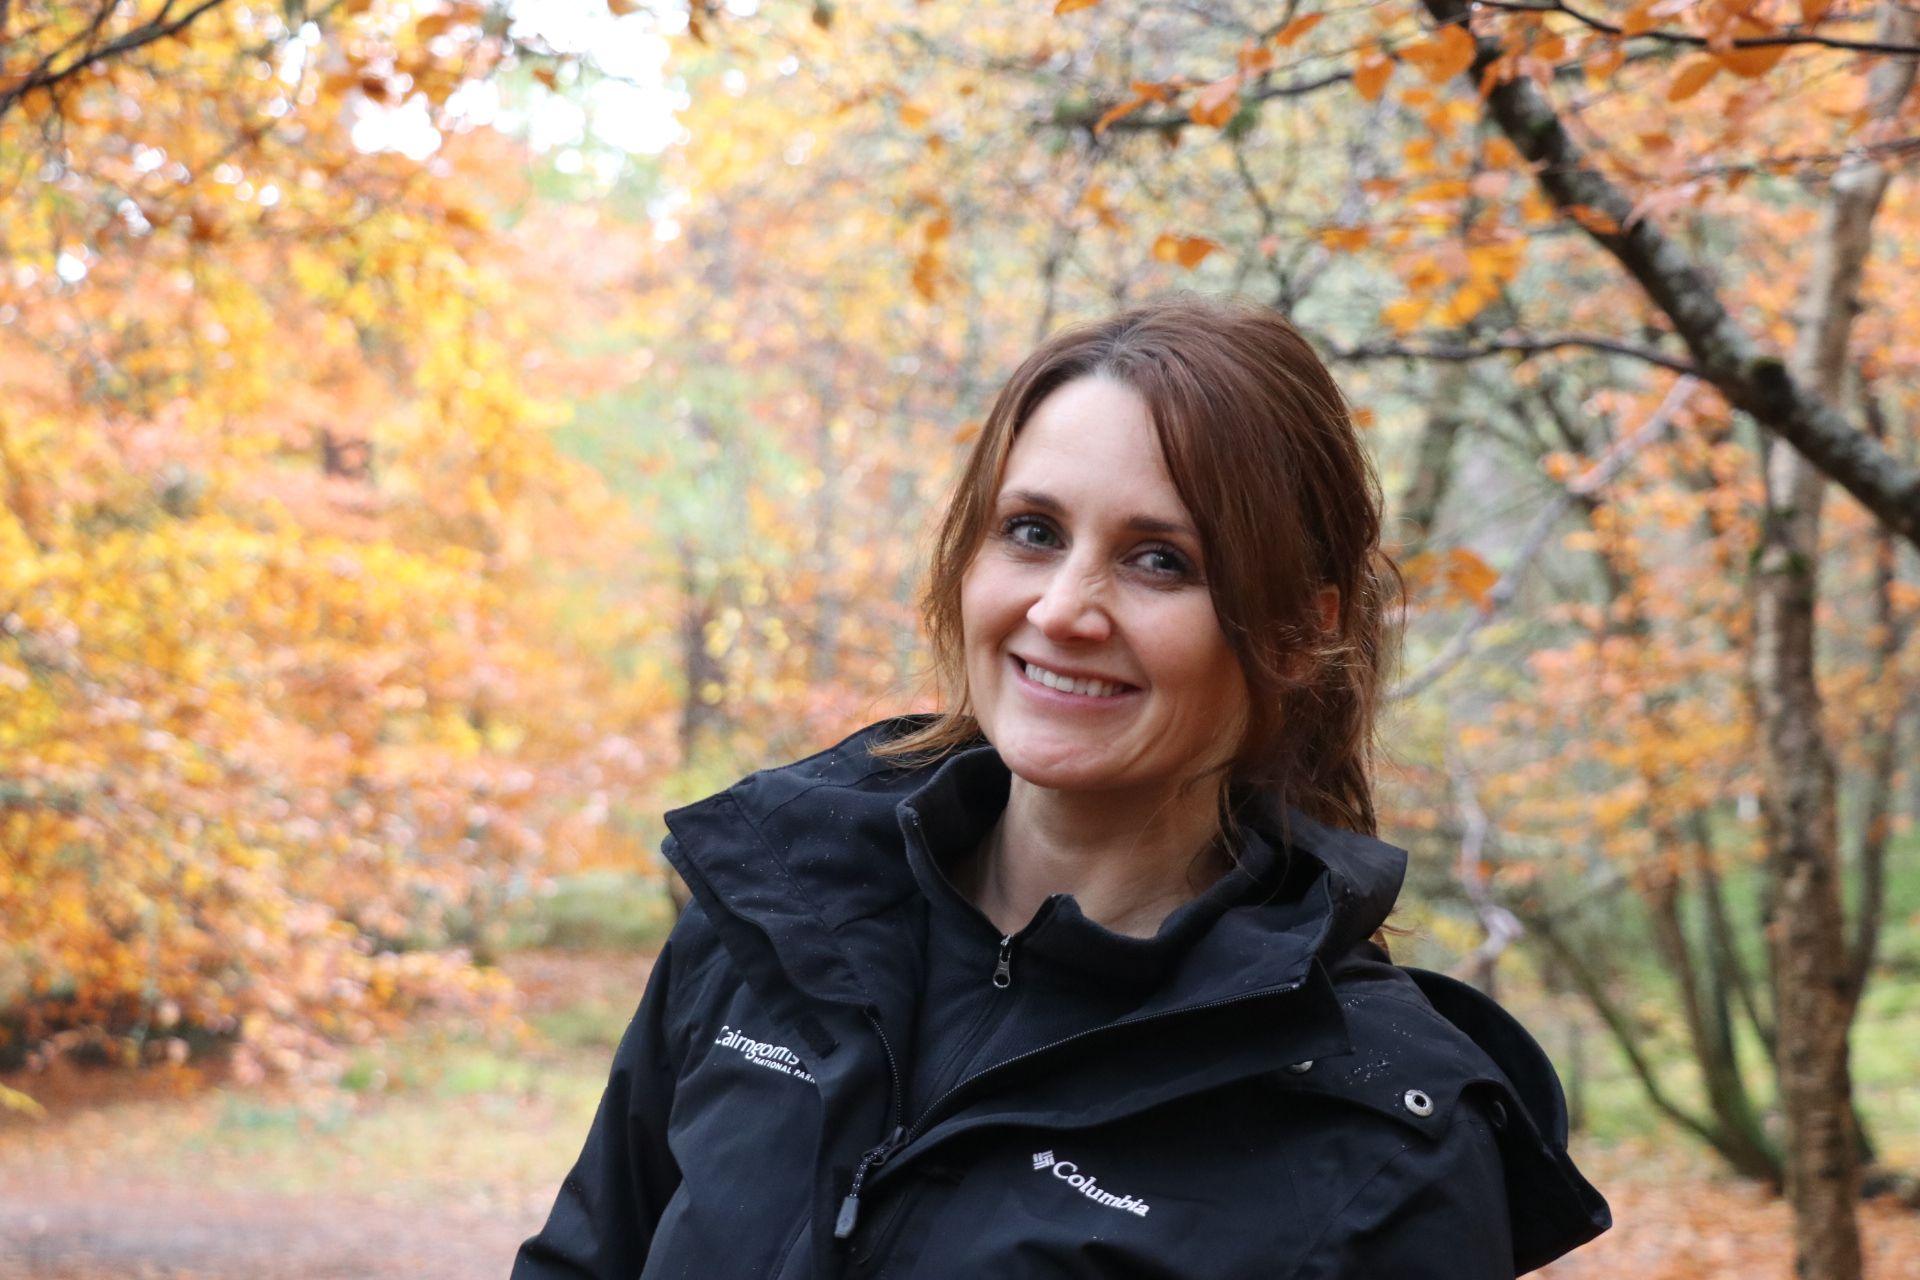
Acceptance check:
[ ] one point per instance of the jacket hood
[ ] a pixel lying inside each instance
(790, 861)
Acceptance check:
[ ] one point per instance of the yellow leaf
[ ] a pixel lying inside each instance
(1693, 78)
(1299, 27)
(1404, 315)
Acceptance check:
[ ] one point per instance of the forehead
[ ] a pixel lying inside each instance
(1092, 442)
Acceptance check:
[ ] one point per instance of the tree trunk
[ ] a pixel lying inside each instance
(1807, 937)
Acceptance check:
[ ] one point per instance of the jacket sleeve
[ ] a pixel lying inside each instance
(602, 1221)
(1433, 1211)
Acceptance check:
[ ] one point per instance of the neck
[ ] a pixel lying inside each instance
(1128, 862)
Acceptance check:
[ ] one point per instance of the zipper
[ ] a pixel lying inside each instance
(877, 1156)
(900, 1138)
(902, 1135)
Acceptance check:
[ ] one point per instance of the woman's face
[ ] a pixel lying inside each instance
(1091, 568)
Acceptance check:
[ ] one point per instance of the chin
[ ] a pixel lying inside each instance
(1045, 760)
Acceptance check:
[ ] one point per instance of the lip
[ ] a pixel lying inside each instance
(1060, 698)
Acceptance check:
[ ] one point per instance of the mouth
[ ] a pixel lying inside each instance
(1033, 680)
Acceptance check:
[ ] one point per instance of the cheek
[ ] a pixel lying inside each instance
(1201, 665)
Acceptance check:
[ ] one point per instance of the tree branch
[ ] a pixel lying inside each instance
(1793, 36)
(1523, 346)
(1502, 592)
(160, 28)
(1751, 379)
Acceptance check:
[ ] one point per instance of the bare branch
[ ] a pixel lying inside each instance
(1522, 346)
(1502, 592)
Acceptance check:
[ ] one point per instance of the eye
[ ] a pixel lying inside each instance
(1174, 564)
(1165, 563)
(1010, 530)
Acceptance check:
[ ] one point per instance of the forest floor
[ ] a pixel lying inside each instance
(435, 1156)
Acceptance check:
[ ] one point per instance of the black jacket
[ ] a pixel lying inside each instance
(1280, 1101)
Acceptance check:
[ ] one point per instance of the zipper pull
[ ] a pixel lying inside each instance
(1003, 968)
(850, 1207)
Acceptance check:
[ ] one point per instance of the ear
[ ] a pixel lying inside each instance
(1328, 602)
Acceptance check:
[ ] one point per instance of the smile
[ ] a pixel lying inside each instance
(1056, 688)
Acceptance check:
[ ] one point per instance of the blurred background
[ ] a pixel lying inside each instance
(437, 436)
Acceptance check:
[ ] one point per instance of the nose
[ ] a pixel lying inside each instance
(1071, 607)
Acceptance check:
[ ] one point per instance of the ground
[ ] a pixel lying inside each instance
(439, 1154)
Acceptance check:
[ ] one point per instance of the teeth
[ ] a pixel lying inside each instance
(1087, 688)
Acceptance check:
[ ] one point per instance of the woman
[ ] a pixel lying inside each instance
(1080, 975)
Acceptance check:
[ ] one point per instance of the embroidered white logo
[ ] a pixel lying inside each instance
(1069, 1172)
(760, 1053)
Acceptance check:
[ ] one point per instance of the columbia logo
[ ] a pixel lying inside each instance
(1087, 1185)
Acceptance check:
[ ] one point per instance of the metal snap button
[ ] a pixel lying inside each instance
(1499, 1114)
(1418, 1103)
(1300, 1068)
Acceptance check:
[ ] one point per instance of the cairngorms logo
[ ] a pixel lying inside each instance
(760, 1053)
(1069, 1172)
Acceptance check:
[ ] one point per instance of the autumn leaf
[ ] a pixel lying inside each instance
(912, 116)
(1070, 6)
(1344, 239)
(1188, 251)
(1294, 30)
(1215, 103)
(1446, 54)
(1693, 77)
(1370, 74)
(1751, 62)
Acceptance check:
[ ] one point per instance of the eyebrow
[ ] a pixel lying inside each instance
(1052, 505)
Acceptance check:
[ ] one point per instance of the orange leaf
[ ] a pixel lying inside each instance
(1216, 103)
(1594, 220)
(911, 116)
(1299, 27)
(1446, 55)
(1639, 19)
(1811, 11)
(1470, 576)
(1188, 251)
(1345, 239)
(1752, 62)
(1693, 78)
(1126, 108)
(1370, 75)
(1068, 6)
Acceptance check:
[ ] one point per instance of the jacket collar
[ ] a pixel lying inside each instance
(796, 866)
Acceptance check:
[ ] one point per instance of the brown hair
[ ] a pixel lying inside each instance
(1262, 449)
